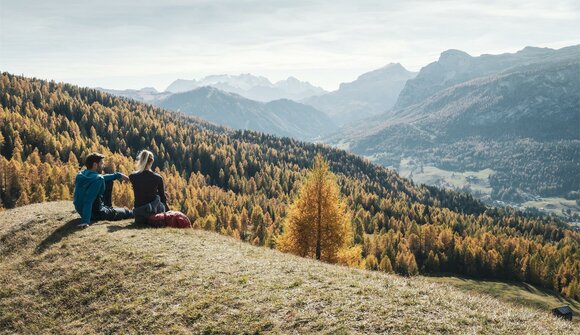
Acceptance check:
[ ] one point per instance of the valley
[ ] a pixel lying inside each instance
(477, 183)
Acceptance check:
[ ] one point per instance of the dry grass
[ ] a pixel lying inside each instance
(113, 278)
(515, 292)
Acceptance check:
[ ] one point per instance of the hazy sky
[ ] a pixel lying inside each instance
(132, 44)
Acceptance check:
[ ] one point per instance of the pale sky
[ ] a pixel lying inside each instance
(132, 44)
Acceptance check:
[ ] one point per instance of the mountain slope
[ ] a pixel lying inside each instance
(539, 102)
(115, 278)
(522, 122)
(371, 93)
(251, 87)
(280, 117)
(455, 66)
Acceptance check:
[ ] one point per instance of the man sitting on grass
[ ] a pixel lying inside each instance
(93, 193)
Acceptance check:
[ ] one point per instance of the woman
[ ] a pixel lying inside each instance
(150, 196)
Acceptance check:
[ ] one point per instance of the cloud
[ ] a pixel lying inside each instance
(107, 43)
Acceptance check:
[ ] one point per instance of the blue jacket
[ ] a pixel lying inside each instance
(88, 186)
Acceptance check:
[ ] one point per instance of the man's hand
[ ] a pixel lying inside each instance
(166, 196)
(125, 178)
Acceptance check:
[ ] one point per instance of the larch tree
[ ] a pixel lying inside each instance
(318, 222)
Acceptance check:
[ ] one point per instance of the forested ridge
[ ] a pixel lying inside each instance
(240, 183)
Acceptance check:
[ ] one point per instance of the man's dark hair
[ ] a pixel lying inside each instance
(92, 158)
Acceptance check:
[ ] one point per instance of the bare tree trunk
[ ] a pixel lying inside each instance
(319, 219)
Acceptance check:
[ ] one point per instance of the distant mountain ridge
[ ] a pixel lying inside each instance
(251, 87)
(281, 117)
(370, 94)
(146, 94)
(455, 66)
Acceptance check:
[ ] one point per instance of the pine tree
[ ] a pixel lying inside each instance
(318, 223)
(371, 263)
(38, 195)
(432, 262)
(23, 199)
(386, 265)
(258, 225)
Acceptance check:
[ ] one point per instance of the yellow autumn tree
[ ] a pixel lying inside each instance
(318, 222)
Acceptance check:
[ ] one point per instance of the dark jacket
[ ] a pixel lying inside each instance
(146, 186)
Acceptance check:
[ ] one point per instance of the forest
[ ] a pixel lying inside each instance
(525, 167)
(241, 183)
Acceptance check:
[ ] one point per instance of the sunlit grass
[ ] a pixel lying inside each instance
(114, 278)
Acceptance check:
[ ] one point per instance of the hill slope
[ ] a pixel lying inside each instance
(114, 278)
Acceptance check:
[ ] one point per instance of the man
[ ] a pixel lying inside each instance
(93, 193)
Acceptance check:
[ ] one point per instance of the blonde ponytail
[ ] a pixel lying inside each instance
(144, 160)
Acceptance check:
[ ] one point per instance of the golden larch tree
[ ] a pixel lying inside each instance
(318, 221)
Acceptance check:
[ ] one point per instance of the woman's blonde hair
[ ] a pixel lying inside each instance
(144, 160)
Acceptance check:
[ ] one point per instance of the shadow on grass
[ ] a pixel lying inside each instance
(57, 235)
(513, 290)
(70, 228)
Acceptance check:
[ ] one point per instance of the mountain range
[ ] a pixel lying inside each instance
(463, 112)
(370, 94)
(251, 87)
(237, 101)
(281, 117)
(146, 94)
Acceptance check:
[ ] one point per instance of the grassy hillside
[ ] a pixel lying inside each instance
(114, 278)
(516, 292)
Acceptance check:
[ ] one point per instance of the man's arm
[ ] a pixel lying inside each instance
(115, 176)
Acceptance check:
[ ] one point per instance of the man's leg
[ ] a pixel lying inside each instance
(108, 195)
(108, 212)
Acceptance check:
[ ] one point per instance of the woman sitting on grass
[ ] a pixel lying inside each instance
(150, 196)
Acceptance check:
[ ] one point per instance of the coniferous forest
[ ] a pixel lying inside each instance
(241, 184)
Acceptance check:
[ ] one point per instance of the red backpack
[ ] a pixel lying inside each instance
(173, 219)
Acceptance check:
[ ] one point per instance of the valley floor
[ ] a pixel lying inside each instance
(477, 183)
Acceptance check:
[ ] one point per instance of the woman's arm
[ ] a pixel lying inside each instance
(161, 192)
